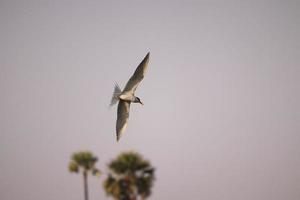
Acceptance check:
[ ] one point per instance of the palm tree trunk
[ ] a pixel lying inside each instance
(86, 195)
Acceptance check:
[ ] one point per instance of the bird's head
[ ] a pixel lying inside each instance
(138, 100)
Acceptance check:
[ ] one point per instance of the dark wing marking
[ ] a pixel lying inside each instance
(123, 115)
(138, 75)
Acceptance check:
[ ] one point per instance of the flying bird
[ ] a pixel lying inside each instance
(126, 97)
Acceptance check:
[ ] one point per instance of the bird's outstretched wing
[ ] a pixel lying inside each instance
(123, 115)
(138, 75)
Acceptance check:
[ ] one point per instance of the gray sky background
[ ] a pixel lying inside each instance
(221, 118)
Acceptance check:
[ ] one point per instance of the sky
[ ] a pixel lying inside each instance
(221, 119)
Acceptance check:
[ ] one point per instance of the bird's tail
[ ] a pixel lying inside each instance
(115, 96)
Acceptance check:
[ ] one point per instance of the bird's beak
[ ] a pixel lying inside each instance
(141, 103)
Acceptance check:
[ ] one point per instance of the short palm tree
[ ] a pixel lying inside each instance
(130, 177)
(84, 162)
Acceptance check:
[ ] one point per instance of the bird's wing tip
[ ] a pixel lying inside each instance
(147, 57)
(118, 137)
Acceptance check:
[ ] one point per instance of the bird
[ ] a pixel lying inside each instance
(126, 96)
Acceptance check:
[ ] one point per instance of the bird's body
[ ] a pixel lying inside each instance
(126, 97)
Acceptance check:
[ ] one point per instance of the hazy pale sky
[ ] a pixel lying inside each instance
(221, 119)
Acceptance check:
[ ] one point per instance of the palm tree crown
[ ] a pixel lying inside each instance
(130, 177)
(84, 162)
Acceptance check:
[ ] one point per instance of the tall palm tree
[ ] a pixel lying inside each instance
(84, 162)
(130, 177)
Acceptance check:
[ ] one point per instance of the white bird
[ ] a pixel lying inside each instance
(127, 96)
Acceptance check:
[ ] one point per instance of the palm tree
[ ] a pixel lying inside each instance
(84, 162)
(130, 177)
